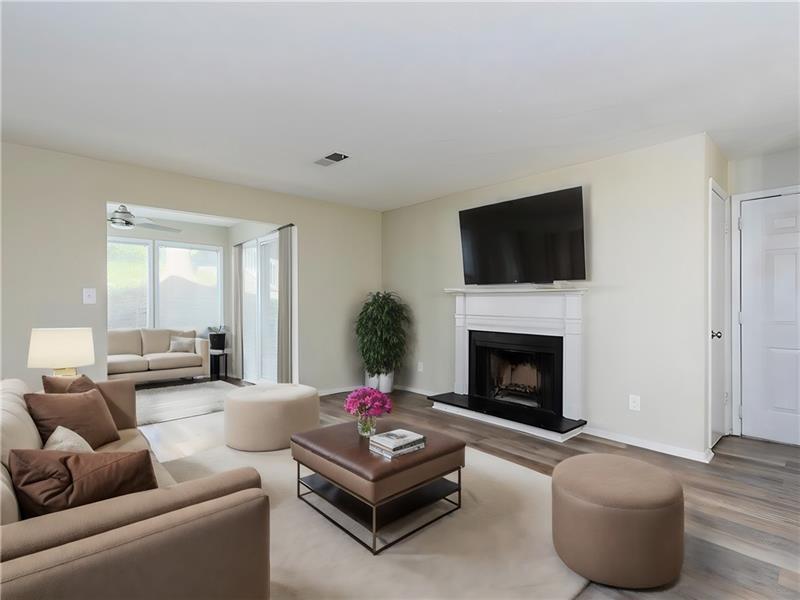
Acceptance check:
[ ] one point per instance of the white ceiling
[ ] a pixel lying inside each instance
(426, 99)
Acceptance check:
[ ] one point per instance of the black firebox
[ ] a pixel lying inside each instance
(521, 370)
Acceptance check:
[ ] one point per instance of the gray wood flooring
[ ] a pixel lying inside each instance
(742, 509)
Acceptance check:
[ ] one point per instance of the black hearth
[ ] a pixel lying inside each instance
(518, 377)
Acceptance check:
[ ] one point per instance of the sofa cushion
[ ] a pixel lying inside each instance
(47, 481)
(173, 360)
(86, 414)
(55, 384)
(131, 440)
(157, 340)
(9, 508)
(125, 341)
(17, 429)
(126, 363)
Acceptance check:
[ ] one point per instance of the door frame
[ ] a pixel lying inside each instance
(736, 294)
(714, 189)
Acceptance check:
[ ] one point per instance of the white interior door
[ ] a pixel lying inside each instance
(718, 336)
(770, 294)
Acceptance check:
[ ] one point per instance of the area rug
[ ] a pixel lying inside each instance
(156, 405)
(497, 546)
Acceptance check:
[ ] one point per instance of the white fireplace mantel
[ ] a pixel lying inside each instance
(555, 311)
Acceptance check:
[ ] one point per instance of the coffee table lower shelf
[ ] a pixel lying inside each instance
(375, 517)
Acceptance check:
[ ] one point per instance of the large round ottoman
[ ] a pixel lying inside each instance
(618, 521)
(264, 417)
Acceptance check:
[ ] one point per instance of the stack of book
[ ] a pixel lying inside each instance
(396, 443)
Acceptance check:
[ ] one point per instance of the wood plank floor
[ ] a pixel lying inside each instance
(742, 509)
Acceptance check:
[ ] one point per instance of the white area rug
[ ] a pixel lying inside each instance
(497, 546)
(156, 405)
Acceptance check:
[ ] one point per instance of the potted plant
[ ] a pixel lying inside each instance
(216, 337)
(381, 331)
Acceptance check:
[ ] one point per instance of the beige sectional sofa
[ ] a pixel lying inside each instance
(143, 355)
(207, 538)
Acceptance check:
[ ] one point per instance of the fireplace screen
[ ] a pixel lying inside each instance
(524, 370)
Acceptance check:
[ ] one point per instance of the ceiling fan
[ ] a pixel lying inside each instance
(122, 218)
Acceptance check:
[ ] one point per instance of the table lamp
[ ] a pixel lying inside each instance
(61, 349)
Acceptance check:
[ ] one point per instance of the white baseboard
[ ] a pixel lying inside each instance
(406, 388)
(338, 390)
(529, 429)
(704, 457)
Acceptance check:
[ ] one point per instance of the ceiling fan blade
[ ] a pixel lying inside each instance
(157, 227)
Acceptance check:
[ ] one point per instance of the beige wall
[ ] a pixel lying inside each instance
(644, 312)
(53, 244)
(764, 172)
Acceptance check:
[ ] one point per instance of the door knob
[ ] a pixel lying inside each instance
(716, 334)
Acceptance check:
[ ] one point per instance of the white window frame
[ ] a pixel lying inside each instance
(158, 244)
(151, 281)
(153, 247)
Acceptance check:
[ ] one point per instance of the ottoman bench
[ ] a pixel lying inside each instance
(259, 418)
(618, 521)
(371, 490)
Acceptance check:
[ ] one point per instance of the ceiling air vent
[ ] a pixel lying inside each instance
(331, 159)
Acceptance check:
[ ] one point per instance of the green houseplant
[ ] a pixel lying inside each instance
(381, 330)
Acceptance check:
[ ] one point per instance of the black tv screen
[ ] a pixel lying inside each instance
(538, 239)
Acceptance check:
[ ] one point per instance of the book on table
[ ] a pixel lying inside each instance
(396, 443)
(387, 454)
(397, 439)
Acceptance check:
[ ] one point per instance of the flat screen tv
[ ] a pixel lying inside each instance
(538, 239)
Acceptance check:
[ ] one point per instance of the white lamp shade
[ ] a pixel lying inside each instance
(61, 348)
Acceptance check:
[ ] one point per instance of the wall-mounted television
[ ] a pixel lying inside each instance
(537, 239)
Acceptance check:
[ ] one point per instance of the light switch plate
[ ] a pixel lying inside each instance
(90, 295)
(634, 402)
(420, 367)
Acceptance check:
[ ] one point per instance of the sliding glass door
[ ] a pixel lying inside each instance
(260, 309)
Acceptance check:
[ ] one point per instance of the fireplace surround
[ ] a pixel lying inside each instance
(518, 359)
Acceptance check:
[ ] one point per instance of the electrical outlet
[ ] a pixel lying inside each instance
(420, 367)
(634, 402)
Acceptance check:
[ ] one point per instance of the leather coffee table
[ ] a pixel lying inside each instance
(371, 490)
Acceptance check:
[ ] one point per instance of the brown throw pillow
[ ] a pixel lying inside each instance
(47, 481)
(54, 384)
(86, 414)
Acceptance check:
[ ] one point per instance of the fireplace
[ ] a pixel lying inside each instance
(518, 359)
(522, 371)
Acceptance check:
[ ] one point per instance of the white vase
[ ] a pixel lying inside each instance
(386, 382)
(371, 380)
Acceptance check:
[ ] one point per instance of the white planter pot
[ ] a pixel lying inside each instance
(372, 381)
(386, 382)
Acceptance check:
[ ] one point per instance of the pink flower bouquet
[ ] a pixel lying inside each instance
(367, 404)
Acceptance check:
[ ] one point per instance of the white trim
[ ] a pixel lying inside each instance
(337, 390)
(529, 429)
(414, 390)
(736, 304)
(704, 457)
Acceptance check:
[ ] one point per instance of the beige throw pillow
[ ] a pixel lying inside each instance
(181, 344)
(66, 440)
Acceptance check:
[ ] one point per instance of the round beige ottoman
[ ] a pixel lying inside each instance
(618, 521)
(264, 417)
